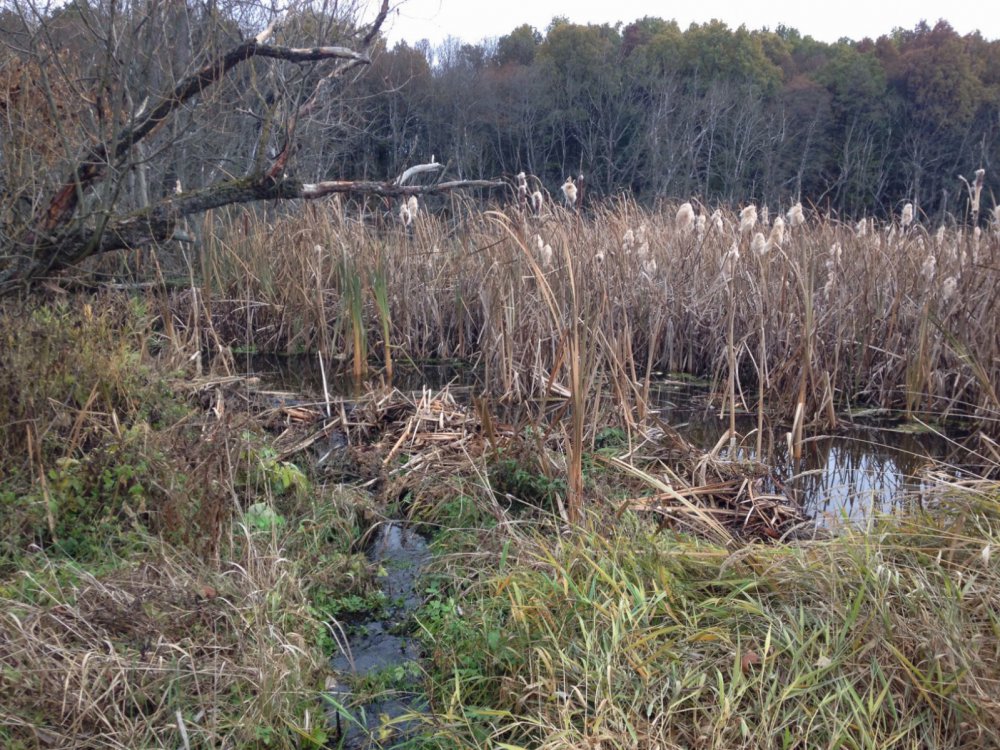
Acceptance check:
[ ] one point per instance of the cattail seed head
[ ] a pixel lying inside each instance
(906, 217)
(684, 220)
(777, 235)
(628, 239)
(748, 218)
(569, 192)
(536, 202)
(948, 288)
(699, 226)
(758, 245)
(795, 215)
(861, 228)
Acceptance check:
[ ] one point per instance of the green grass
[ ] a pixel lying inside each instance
(883, 637)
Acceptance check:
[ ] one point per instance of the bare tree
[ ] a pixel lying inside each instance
(120, 117)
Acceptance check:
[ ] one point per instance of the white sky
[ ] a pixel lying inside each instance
(473, 20)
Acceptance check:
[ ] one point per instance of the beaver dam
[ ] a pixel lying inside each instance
(874, 461)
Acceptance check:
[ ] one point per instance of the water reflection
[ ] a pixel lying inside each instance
(863, 467)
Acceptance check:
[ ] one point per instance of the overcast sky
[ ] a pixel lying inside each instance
(473, 20)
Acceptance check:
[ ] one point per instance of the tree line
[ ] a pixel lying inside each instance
(118, 118)
(721, 114)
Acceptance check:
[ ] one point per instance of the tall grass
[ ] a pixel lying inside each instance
(879, 637)
(834, 317)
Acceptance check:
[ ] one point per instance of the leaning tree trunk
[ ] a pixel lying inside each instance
(60, 234)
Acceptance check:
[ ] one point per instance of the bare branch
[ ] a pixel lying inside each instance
(389, 189)
(431, 166)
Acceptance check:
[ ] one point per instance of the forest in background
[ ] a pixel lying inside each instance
(722, 115)
(730, 115)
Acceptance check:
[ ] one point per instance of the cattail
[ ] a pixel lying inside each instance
(759, 245)
(948, 288)
(929, 267)
(748, 218)
(861, 228)
(649, 267)
(795, 216)
(522, 179)
(765, 216)
(906, 217)
(939, 236)
(717, 223)
(413, 205)
(545, 253)
(404, 215)
(536, 202)
(996, 217)
(628, 240)
(177, 187)
(684, 219)
(777, 236)
(569, 192)
(643, 252)
(699, 226)
(729, 262)
(640, 236)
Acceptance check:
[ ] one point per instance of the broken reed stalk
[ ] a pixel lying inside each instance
(731, 355)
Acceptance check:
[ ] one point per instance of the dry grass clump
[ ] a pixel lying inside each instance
(160, 652)
(821, 313)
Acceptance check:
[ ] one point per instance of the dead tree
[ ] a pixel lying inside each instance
(78, 99)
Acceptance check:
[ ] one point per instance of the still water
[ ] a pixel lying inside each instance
(866, 465)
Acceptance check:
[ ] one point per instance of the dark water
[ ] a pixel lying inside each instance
(382, 650)
(865, 466)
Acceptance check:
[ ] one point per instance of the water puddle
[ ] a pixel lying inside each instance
(380, 655)
(866, 466)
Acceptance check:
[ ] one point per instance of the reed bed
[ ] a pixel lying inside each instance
(812, 317)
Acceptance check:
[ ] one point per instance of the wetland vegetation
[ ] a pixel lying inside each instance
(439, 463)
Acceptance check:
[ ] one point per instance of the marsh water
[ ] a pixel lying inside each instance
(381, 649)
(870, 463)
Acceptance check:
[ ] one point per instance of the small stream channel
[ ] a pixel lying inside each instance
(382, 653)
